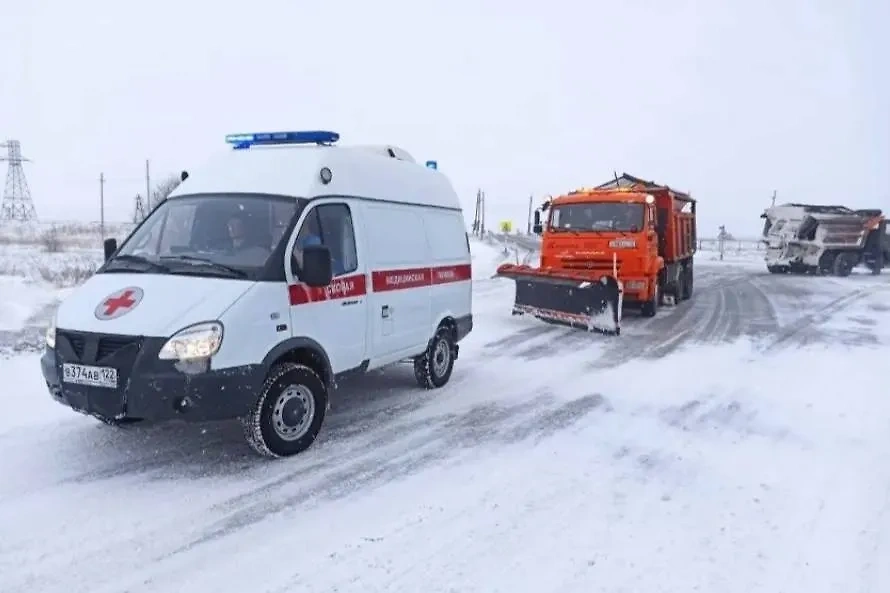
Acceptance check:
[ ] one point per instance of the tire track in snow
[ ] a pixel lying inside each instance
(450, 434)
(701, 318)
(820, 316)
(407, 448)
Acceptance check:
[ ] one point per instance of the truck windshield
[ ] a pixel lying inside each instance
(229, 235)
(597, 216)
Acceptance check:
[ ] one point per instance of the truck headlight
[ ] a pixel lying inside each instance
(50, 336)
(194, 342)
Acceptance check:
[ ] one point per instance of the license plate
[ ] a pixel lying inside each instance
(89, 375)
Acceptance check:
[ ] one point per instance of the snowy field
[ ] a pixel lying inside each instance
(735, 443)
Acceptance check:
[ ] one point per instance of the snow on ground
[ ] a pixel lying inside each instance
(19, 299)
(748, 456)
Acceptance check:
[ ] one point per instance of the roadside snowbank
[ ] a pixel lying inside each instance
(20, 299)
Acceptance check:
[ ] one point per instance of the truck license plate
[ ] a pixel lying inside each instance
(89, 375)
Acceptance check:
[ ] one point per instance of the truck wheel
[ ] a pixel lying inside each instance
(289, 412)
(651, 306)
(688, 282)
(878, 264)
(843, 265)
(433, 368)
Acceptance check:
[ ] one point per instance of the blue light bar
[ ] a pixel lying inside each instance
(241, 141)
(432, 164)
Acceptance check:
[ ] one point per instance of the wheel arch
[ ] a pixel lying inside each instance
(448, 321)
(302, 350)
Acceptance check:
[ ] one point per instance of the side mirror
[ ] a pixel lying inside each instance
(183, 176)
(109, 247)
(317, 269)
(537, 228)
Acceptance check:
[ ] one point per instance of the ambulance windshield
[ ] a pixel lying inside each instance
(214, 235)
(597, 217)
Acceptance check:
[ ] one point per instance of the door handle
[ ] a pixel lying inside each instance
(385, 311)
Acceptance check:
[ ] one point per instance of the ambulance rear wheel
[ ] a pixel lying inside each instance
(287, 416)
(433, 368)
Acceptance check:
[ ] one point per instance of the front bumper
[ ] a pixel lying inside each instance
(147, 388)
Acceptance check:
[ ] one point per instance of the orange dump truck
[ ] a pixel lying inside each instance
(626, 242)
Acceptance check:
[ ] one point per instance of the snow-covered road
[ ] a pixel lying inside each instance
(737, 443)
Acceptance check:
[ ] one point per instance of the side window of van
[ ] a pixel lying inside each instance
(330, 225)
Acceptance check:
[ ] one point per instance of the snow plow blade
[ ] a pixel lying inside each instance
(561, 298)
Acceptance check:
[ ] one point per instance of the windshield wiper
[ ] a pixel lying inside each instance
(201, 261)
(136, 259)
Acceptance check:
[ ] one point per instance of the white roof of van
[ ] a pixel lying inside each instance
(294, 170)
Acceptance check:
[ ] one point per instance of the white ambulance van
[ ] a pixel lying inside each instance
(268, 274)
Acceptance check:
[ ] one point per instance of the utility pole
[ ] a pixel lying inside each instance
(774, 197)
(102, 205)
(483, 213)
(721, 240)
(147, 187)
(528, 230)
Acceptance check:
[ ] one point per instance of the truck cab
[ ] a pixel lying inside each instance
(644, 235)
(604, 232)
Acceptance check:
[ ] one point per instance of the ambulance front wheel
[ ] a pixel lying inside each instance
(289, 412)
(433, 368)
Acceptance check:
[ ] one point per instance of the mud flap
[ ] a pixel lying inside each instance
(595, 306)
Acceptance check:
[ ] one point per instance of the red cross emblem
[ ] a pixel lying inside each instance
(119, 303)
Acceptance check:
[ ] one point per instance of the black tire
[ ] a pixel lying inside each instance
(650, 307)
(432, 369)
(288, 413)
(680, 286)
(878, 264)
(843, 265)
(688, 281)
(777, 269)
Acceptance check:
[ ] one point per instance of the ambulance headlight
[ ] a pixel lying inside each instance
(194, 342)
(50, 336)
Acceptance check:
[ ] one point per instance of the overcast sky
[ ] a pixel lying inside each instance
(729, 99)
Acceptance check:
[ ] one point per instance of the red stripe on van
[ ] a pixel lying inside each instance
(341, 288)
(447, 274)
(381, 281)
(386, 280)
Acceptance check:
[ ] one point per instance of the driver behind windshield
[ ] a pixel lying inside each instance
(236, 232)
(246, 240)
